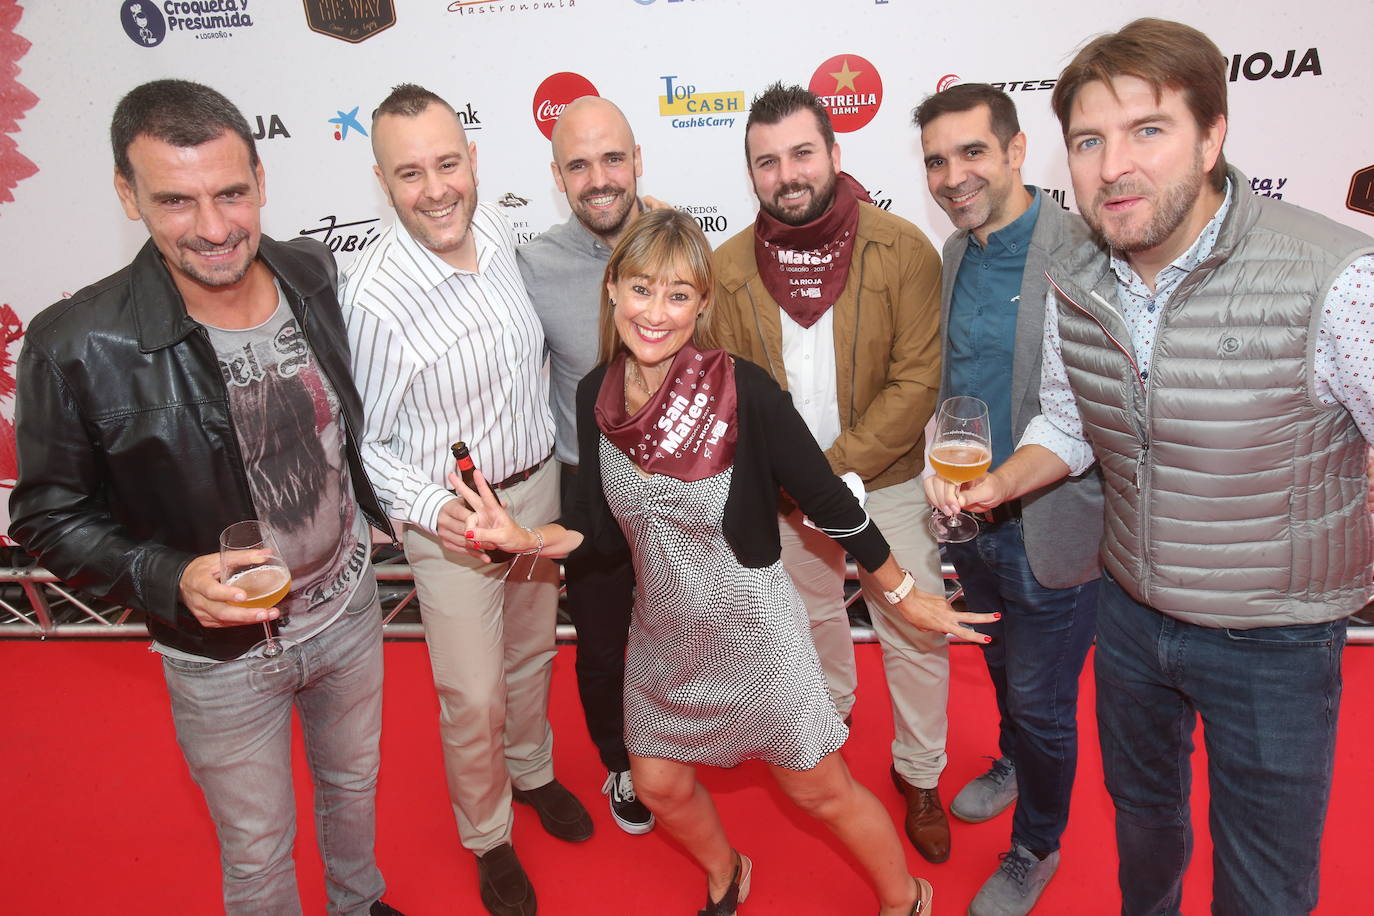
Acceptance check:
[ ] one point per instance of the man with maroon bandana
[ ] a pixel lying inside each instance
(840, 302)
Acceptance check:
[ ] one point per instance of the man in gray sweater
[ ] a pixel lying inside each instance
(595, 163)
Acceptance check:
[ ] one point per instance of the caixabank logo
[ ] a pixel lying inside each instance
(554, 94)
(850, 87)
(690, 107)
(350, 20)
(148, 24)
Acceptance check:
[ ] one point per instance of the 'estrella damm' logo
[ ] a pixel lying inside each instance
(850, 88)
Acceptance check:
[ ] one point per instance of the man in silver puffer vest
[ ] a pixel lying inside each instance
(1210, 353)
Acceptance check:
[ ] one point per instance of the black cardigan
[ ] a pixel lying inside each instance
(774, 449)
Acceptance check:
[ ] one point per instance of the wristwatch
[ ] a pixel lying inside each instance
(902, 590)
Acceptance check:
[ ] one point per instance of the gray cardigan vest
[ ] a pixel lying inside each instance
(1234, 497)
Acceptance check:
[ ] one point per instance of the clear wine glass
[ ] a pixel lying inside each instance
(960, 451)
(250, 559)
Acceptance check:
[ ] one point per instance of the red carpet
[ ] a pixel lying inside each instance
(102, 817)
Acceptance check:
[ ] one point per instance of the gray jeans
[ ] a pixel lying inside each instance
(237, 743)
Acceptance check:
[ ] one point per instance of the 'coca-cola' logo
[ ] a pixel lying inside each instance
(554, 94)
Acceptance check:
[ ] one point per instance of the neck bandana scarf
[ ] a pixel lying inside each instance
(804, 268)
(687, 429)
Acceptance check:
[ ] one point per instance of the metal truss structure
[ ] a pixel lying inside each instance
(36, 604)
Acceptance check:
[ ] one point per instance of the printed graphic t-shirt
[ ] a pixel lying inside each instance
(291, 435)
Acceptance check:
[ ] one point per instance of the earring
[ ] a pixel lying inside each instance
(611, 301)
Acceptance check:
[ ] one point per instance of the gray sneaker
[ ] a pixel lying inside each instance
(988, 795)
(1016, 885)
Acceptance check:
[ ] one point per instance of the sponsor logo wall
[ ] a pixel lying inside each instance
(307, 74)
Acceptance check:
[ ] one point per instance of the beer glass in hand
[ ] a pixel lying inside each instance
(250, 559)
(961, 451)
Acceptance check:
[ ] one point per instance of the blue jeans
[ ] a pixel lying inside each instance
(1268, 698)
(1035, 659)
(237, 743)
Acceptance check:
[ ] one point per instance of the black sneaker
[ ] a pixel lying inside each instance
(629, 812)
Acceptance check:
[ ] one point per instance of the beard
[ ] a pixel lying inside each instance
(441, 241)
(606, 222)
(821, 199)
(221, 275)
(1171, 205)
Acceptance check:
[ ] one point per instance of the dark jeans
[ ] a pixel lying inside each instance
(600, 599)
(1035, 659)
(1268, 698)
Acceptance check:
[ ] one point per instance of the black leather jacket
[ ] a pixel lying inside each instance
(129, 466)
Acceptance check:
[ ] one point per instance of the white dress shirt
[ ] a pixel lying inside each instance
(808, 356)
(1340, 373)
(441, 355)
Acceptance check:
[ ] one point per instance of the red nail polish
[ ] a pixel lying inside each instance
(987, 639)
(996, 616)
(468, 535)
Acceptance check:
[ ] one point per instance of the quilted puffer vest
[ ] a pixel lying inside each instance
(1234, 498)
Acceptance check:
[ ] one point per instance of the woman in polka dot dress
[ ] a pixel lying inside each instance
(685, 449)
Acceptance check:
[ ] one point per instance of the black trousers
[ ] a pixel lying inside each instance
(599, 600)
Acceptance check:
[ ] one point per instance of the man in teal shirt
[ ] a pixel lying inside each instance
(1035, 559)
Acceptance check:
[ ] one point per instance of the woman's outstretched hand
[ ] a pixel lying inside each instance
(933, 613)
(489, 527)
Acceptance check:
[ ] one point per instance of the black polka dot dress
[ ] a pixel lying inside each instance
(720, 666)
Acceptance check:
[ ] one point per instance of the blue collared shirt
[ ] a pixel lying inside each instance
(982, 322)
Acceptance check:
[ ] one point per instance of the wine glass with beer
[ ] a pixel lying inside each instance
(961, 451)
(250, 559)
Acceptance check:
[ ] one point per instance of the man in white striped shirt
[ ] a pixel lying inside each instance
(446, 347)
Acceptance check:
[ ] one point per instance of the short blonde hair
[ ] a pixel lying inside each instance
(660, 243)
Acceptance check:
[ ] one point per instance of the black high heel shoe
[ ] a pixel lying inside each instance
(735, 894)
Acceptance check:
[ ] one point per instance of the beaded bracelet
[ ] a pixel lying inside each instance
(527, 553)
(538, 537)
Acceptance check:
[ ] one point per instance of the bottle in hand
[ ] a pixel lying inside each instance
(463, 458)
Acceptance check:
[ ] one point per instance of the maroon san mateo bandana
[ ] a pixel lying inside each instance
(688, 429)
(804, 268)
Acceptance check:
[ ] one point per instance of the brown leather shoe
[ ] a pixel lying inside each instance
(926, 825)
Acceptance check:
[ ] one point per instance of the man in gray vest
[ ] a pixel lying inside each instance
(1213, 362)
(595, 164)
(1035, 558)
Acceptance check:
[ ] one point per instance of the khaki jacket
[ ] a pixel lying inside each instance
(887, 343)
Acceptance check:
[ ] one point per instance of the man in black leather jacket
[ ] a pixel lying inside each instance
(204, 384)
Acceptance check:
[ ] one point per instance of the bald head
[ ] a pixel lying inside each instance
(596, 164)
(590, 114)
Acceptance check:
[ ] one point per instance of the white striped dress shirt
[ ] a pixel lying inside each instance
(439, 355)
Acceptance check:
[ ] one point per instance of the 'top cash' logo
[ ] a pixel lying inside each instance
(850, 88)
(690, 108)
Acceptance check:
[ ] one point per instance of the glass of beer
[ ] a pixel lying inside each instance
(250, 559)
(961, 451)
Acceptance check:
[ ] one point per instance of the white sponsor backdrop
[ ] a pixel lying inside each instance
(1299, 128)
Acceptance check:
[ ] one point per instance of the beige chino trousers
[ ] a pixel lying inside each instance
(491, 650)
(916, 662)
